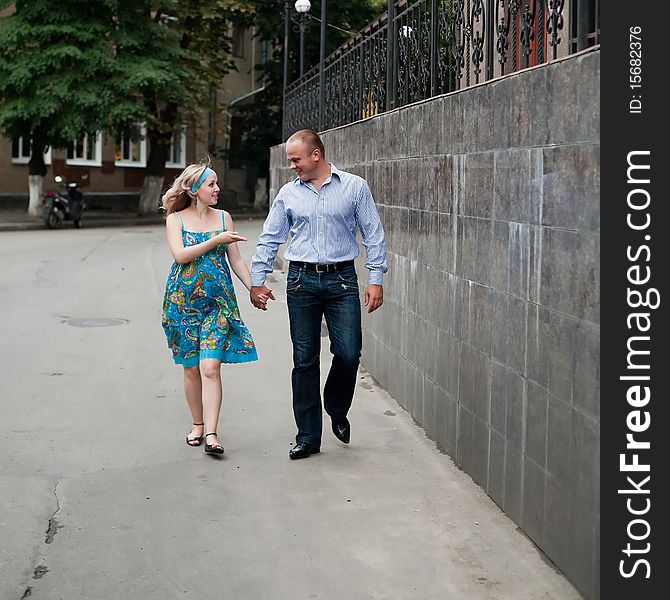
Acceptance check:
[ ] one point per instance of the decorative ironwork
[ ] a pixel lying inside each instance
(414, 33)
(502, 45)
(478, 34)
(555, 23)
(375, 72)
(458, 40)
(527, 37)
(444, 45)
(434, 47)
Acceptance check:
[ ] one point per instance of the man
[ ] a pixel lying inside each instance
(321, 209)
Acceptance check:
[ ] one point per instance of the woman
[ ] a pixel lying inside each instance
(200, 314)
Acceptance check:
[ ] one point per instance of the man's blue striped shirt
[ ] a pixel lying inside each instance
(322, 226)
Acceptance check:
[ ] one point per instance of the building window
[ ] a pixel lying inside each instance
(131, 150)
(21, 152)
(238, 41)
(177, 151)
(86, 150)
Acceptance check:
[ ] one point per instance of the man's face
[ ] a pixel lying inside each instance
(303, 160)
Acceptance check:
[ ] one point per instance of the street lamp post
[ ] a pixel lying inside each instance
(301, 7)
(287, 29)
(322, 66)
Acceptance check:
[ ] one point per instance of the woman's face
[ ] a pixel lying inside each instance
(208, 192)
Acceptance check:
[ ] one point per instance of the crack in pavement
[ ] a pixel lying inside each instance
(40, 572)
(96, 246)
(53, 527)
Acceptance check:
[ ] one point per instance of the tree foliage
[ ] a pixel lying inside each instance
(55, 69)
(82, 66)
(175, 52)
(173, 79)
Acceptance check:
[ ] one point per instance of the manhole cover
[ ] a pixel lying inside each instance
(96, 322)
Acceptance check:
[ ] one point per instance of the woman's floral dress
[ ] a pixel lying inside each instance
(201, 318)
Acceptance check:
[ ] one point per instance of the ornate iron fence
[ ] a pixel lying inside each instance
(422, 48)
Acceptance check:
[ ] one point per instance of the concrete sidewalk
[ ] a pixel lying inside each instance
(102, 498)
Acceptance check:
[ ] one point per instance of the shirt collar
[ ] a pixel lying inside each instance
(333, 171)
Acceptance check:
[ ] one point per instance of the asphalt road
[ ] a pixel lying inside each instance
(102, 499)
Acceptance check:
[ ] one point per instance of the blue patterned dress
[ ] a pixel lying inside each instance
(200, 314)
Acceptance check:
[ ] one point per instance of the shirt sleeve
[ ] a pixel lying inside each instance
(372, 231)
(274, 234)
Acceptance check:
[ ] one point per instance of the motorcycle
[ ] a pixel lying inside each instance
(58, 206)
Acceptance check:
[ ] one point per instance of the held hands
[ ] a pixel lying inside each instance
(229, 237)
(374, 297)
(259, 295)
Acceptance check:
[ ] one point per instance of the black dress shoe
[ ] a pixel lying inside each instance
(342, 430)
(302, 450)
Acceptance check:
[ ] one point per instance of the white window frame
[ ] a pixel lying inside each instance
(142, 162)
(96, 160)
(24, 160)
(180, 164)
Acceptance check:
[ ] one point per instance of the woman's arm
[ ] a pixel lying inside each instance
(187, 254)
(235, 259)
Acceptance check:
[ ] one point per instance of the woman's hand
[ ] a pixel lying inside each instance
(229, 237)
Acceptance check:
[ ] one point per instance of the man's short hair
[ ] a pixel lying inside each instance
(310, 138)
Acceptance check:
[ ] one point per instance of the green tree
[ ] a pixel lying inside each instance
(261, 118)
(174, 54)
(107, 65)
(56, 64)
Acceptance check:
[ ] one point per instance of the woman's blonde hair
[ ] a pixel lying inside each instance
(179, 196)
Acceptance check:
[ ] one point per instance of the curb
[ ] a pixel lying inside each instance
(39, 225)
(130, 221)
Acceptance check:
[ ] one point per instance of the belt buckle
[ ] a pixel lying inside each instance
(319, 267)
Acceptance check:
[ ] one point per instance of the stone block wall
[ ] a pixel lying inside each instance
(489, 335)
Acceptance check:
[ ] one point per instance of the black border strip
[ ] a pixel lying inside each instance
(634, 120)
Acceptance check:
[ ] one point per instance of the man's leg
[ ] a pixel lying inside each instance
(342, 309)
(305, 313)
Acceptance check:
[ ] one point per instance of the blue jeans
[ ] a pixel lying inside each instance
(311, 296)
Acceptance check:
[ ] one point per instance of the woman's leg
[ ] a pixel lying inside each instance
(212, 394)
(193, 392)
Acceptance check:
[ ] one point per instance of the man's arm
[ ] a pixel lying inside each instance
(274, 234)
(372, 233)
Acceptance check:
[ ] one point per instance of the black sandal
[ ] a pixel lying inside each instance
(213, 448)
(194, 442)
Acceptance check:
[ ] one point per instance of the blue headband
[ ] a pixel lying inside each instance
(206, 173)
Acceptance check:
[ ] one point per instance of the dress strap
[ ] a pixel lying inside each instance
(182, 220)
(223, 219)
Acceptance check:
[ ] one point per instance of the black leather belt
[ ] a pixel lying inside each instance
(323, 268)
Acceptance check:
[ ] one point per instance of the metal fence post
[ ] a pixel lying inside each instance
(434, 42)
(390, 56)
(490, 28)
(361, 81)
(583, 10)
